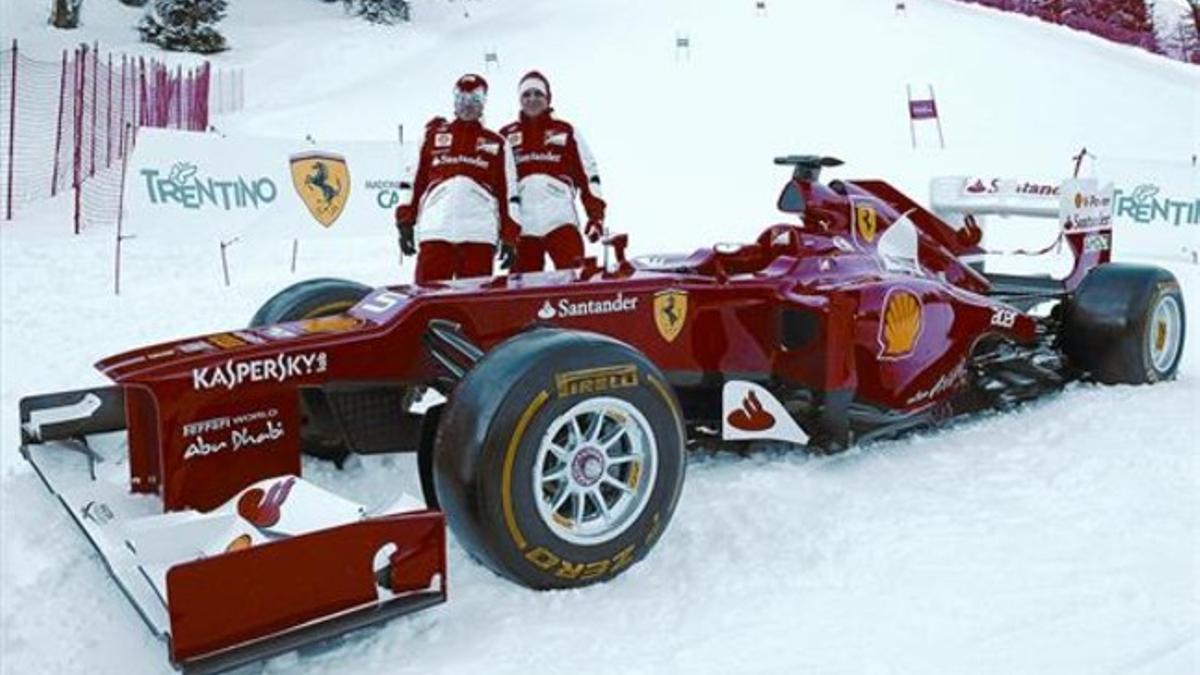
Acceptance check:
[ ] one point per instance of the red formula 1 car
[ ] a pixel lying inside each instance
(551, 411)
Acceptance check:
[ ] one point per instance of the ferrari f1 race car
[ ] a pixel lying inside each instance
(550, 412)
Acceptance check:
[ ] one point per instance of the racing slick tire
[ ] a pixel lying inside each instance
(1125, 324)
(560, 458)
(314, 299)
(310, 299)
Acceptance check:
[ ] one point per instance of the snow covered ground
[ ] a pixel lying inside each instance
(1064, 538)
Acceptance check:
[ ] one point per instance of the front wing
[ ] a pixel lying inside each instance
(282, 564)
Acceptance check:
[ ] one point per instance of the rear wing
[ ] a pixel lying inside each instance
(1082, 207)
(953, 197)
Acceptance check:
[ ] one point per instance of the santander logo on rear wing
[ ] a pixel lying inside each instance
(952, 197)
(1082, 207)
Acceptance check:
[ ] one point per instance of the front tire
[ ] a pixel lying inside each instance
(1125, 324)
(310, 299)
(314, 299)
(560, 458)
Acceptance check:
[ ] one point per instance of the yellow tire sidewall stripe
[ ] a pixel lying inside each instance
(510, 519)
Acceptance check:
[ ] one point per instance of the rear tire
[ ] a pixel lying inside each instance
(310, 299)
(560, 458)
(1125, 324)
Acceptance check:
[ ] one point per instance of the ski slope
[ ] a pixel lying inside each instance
(1064, 538)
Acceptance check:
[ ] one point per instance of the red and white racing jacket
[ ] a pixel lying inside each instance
(553, 166)
(464, 188)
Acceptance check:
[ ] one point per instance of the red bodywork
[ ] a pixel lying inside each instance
(814, 307)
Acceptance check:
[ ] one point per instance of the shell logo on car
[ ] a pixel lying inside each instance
(903, 316)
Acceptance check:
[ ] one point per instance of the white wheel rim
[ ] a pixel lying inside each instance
(595, 470)
(1165, 334)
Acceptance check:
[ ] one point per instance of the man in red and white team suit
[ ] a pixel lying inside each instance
(553, 166)
(464, 197)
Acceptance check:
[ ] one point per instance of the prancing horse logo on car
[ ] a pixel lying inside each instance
(670, 312)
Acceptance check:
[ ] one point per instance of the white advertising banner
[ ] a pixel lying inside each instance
(186, 185)
(1156, 207)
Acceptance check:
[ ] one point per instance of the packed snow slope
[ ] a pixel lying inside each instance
(1061, 538)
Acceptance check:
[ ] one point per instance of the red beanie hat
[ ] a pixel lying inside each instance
(470, 82)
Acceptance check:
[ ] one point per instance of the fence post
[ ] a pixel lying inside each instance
(108, 130)
(95, 101)
(77, 152)
(189, 95)
(121, 212)
(121, 125)
(12, 129)
(207, 89)
(204, 95)
(139, 90)
(62, 95)
(140, 95)
(179, 98)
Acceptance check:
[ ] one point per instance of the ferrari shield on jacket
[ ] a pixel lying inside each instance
(553, 166)
(464, 187)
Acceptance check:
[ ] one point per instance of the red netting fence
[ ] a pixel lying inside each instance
(63, 124)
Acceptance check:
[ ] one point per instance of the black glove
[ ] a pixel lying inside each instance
(508, 256)
(408, 245)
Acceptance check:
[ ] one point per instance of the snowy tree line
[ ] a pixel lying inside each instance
(1127, 21)
(191, 25)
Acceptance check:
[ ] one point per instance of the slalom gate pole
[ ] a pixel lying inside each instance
(295, 251)
(937, 117)
(912, 124)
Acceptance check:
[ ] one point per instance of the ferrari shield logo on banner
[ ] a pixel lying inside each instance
(322, 180)
(670, 312)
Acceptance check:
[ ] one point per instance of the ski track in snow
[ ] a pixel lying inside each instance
(1064, 537)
